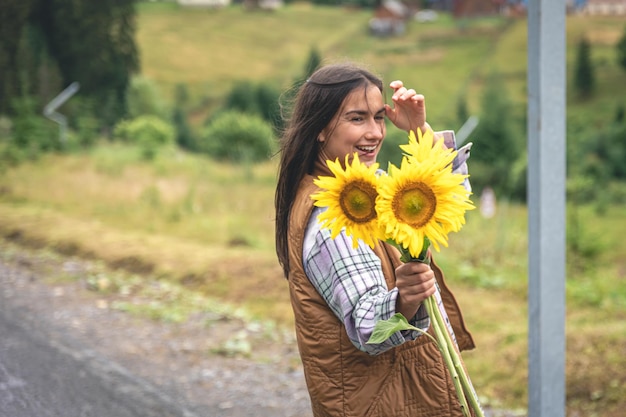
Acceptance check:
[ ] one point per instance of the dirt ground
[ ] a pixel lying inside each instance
(179, 359)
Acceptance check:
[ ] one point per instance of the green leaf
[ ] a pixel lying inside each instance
(385, 328)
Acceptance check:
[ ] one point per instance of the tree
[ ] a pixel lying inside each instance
(13, 19)
(91, 42)
(462, 112)
(313, 62)
(621, 50)
(583, 77)
(497, 146)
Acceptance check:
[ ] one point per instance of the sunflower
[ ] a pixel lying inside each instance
(424, 148)
(422, 198)
(350, 196)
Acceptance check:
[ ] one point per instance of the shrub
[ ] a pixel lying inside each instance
(237, 137)
(149, 132)
(184, 135)
(31, 132)
(260, 99)
(242, 98)
(144, 98)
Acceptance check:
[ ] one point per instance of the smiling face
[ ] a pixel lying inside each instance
(358, 126)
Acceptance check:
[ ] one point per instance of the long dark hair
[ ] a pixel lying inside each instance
(316, 103)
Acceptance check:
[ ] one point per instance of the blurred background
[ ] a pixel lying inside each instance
(161, 158)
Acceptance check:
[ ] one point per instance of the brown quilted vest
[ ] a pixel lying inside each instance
(408, 380)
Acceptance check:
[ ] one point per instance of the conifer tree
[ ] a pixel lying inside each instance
(497, 144)
(584, 79)
(621, 50)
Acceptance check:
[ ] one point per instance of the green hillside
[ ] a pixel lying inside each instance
(210, 50)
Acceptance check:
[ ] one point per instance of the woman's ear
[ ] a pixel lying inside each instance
(321, 137)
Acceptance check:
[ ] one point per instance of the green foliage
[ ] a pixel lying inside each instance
(89, 42)
(242, 98)
(599, 155)
(583, 246)
(462, 112)
(238, 137)
(584, 80)
(254, 99)
(13, 19)
(497, 143)
(184, 136)
(31, 132)
(86, 128)
(621, 50)
(144, 98)
(149, 132)
(313, 62)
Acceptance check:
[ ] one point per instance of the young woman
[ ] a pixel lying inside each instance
(338, 293)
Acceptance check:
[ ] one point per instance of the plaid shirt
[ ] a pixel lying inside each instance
(351, 280)
(352, 283)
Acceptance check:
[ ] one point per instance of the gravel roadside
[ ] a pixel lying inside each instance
(177, 359)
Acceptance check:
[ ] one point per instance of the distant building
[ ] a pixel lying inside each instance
(390, 18)
(204, 3)
(262, 4)
(604, 7)
(475, 8)
(248, 4)
(479, 8)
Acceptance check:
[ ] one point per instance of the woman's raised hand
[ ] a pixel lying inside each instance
(409, 109)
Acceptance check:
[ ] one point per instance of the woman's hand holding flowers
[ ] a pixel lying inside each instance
(415, 282)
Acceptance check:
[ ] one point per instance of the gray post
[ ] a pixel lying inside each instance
(546, 208)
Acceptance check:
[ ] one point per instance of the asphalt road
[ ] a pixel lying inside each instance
(44, 375)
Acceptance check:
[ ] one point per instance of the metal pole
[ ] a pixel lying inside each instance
(546, 208)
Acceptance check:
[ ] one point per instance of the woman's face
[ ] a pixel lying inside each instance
(358, 126)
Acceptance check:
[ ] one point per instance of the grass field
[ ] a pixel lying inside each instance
(209, 226)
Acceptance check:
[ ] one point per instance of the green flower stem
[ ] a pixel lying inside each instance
(445, 348)
(468, 389)
(444, 342)
(462, 383)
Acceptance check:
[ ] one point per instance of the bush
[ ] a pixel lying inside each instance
(184, 135)
(260, 99)
(237, 137)
(144, 98)
(149, 132)
(32, 133)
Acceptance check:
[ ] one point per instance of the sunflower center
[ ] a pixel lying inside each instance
(358, 201)
(415, 204)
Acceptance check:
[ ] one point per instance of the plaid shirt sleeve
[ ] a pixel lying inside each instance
(352, 283)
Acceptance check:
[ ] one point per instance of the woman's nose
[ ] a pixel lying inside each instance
(375, 130)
